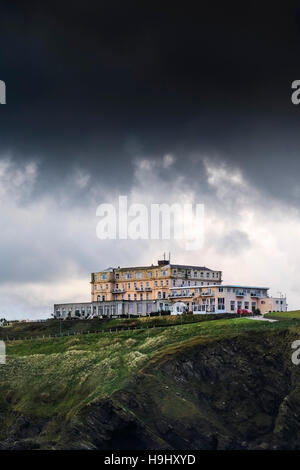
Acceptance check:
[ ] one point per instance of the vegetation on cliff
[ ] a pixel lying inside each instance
(213, 384)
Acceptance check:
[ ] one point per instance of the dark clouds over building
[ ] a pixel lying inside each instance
(95, 87)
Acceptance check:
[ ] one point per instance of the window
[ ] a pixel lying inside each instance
(128, 296)
(167, 282)
(220, 289)
(232, 305)
(141, 296)
(128, 285)
(174, 272)
(221, 303)
(117, 276)
(149, 308)
(201, 274)
(130, 308)
(161, 283)
(159, 295)
(103, 276)
(195, 273)
(164, 273)
(100, 310)
(207, 274)
(150, 274)
(138, 275)
(247, 305)
(139, 308)
(228, 290)
(135, 297)
(155, 283)
(239, 304)
(174, 282)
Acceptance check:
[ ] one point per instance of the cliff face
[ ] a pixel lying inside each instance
(234, 393)
(239, 393)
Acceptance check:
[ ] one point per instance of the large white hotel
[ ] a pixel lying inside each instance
(164, 286)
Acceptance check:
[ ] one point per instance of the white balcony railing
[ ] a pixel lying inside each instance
(207, 292)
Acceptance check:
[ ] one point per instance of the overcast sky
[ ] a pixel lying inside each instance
(161, 103)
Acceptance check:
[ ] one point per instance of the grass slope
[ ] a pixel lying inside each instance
(53, 327)
(292, 315)
(54, 378)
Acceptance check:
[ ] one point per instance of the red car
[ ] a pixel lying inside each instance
(242, 311)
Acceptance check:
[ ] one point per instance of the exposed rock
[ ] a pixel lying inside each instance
(238, 393)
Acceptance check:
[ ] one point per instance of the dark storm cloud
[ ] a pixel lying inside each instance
(94, 88)
(86, 80)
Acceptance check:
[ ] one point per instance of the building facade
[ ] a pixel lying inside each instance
(273, 304)
(227, 298)
(153, 282)
(150, 289)
(109, 308)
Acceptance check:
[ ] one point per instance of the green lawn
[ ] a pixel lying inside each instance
(177, 333)
(58, 376)
(53, 327)
(292, 315)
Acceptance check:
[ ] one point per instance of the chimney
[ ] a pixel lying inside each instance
(163, 262)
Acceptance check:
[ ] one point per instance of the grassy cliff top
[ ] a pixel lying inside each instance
(82, 367)
(292, 315)
(57, 377)
(23, 330)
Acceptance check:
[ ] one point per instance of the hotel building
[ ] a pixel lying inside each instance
(167, 287)
(225, 298)
(153, 282)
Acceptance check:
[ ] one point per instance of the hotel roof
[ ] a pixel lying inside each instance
(172, 266)
(219, 285)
